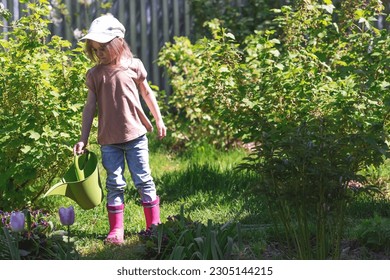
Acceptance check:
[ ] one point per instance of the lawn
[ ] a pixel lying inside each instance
(207, 186)
(208, 203)
(204, 183)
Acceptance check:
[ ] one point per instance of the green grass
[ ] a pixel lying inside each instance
(203, 181)
(209, 187)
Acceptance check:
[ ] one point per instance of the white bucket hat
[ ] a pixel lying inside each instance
(105, 28)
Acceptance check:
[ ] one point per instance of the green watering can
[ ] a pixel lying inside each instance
(81, 182)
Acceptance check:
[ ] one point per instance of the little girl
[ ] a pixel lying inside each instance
(114, 85)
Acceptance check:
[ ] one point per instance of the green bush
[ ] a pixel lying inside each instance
(203, 79)
(375, 233)
(41, 95)
(322, 110)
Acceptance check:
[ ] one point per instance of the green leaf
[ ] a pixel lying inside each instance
(366, 23)
(384, 84)
(329, 8)
(12, 245)
(279, 66)
(336, 27)
(178, 253)
(25, 149)
(275, 41)
(230, 35)
(359, 13)
(275, 52)
(223, 69)
(34, 135)
(160, 232)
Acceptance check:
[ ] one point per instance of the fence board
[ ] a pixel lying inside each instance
(187, 18)
(144, 33)
(176, 18)
(155, 38)
(133, 24)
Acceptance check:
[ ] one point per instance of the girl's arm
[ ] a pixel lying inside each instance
(151, 102)
(88, 115)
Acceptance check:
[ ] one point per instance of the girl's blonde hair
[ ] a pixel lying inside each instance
(117, 49)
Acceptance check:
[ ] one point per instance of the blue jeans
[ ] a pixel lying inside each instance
(136, 153)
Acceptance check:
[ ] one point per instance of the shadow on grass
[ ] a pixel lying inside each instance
(205, 190)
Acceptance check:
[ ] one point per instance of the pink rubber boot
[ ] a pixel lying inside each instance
(152, 212)
(115, 218)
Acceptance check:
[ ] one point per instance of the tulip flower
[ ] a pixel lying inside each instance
(17, 221)
(66, 215)
(67, 219)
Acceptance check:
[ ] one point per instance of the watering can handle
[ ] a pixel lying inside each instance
(80, 171)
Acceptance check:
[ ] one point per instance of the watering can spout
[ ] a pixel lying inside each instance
(81, 182)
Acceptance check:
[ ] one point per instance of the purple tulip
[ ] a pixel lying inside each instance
(66, 215)
(17, 221)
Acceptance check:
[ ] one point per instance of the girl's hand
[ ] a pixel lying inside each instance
(78, 149)
(161, 129)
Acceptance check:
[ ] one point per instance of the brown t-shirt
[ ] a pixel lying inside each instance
(120, 114)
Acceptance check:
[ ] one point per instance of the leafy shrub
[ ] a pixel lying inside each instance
(379, 176)
(322, 119)
(202, 75)
(375, 233)
(41, 97)
(180, 238)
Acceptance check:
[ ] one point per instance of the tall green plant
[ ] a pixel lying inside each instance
(41, 95)
(322, 116)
